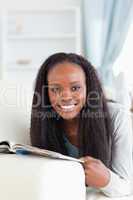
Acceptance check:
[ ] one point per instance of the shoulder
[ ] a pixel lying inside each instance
(121, 118)
(117, 110)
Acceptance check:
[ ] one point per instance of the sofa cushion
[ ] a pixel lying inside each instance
(38, 178)
(15, 109)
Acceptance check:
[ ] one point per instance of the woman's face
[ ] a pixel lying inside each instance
(67, 89)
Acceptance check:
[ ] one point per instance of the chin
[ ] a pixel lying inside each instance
(69, 116)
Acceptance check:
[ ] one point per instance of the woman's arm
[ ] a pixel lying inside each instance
(122, 154)
(114, 182)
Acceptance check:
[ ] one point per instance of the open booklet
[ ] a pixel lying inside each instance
(10, 147)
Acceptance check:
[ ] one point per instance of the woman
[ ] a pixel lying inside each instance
(71, 115)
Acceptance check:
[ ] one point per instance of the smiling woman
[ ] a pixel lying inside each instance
(82, 123)
(67, 89)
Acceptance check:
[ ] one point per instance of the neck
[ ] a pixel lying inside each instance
(71, 129)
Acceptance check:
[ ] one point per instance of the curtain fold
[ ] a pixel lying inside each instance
(105, 26)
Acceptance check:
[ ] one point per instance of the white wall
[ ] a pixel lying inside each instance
(31, 5)
(36, 4)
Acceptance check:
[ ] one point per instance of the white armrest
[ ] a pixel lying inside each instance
(37, 178)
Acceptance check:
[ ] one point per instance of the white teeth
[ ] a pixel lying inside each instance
(69, 107)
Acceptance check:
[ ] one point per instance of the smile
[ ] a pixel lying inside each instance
(67, 108)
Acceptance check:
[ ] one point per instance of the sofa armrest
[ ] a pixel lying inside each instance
(37, 178)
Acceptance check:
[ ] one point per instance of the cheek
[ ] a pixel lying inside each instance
(83, 96)
(53, 98)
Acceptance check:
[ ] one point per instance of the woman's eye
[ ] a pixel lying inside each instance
(55, 90)
(76, 88)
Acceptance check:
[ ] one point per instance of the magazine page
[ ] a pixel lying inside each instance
(4, 147)
(26, 149)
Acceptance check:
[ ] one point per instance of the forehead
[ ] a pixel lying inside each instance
(66, 72)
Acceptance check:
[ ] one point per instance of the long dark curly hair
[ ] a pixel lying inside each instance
(95, 131)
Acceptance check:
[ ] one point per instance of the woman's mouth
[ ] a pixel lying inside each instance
(67, 108)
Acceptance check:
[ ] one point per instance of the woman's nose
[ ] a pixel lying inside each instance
(66, 94)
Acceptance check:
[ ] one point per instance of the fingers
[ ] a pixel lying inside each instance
(89, 162)
(88, 159)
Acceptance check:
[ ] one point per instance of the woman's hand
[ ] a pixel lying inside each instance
(96, 173)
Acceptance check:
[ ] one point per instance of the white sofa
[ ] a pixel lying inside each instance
(29, 177)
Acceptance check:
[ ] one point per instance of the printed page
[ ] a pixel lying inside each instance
(26, 149)
(4, 147)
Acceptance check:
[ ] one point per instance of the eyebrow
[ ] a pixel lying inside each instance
(71, 83)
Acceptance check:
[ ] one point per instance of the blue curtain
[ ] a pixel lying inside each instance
(105, 26)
